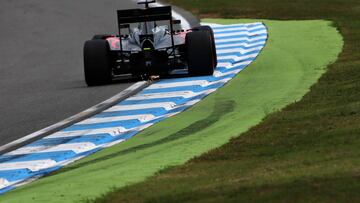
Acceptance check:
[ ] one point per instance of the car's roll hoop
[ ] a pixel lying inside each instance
(146, 2)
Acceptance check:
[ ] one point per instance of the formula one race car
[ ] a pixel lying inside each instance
(151, 47)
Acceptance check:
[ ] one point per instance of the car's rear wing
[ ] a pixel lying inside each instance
(125, 17)
(144, 15)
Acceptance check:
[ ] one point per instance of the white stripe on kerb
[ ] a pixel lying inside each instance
(75, 147)
(165, 105)
(184, 94)
(240, 33)
(140, 117)
(113, 131)
(249, 39)
(241, 63)
(78, 147)
(178, 84)
(223, 64)
(250, 34)
(201, 83)
(4, 183)
(241, 44)
(238, 29)
(220, 74)
(28, 150)
(237, 58)
(31, 165)
(240, 50)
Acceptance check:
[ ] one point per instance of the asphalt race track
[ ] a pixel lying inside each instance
(41, 67)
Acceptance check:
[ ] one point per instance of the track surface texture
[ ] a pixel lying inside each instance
(41, 68)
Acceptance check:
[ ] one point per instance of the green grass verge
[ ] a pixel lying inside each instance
(294, 58)
(259, 165)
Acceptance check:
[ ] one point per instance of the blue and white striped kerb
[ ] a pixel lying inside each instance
(237, 46)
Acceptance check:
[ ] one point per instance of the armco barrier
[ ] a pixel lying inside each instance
(237, 46)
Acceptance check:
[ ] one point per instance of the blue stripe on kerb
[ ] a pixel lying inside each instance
(6, 189)
(239, 36)
(232, 60)
(176, 100)
(238, 53)
(184, 79)
(15, 175)
(93, 138)
(152, 111)
(56, 156)
(126, 124)
(240, 41)
(158, 100)
(242, 47)
(192, 88)
(50, 142)
(232, 31)
(97, 135)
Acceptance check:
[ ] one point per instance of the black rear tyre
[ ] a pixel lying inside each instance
(209, 29)
(200, 52)
(97, 62)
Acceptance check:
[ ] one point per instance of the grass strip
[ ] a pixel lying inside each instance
(272, 161)
(294, 58)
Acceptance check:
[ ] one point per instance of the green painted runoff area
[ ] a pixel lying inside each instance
(296, 54)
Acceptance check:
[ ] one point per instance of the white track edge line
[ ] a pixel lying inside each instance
(185, 25)
(71, 119)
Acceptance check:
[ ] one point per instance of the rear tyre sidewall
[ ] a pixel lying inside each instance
(97, 62)
(209, 29)
(199, 53)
